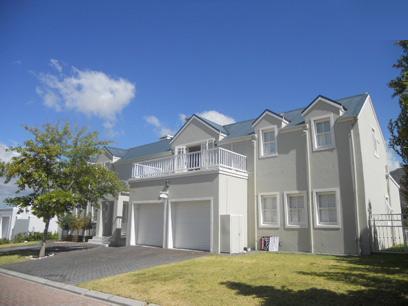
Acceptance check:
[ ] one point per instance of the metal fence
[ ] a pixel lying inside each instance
(389, 233)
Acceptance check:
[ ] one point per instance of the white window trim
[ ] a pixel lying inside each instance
(375, 149)
(267, 129)
(314, 139)
(260, 216)
(338, 208)
(286, 204)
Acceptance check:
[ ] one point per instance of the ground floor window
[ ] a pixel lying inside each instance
(295, 209)
(269, 210)
(327, 207)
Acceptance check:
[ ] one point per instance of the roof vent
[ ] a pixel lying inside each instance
(166, 137)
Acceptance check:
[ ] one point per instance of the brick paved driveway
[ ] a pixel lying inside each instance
(83, 265)
(19, 292)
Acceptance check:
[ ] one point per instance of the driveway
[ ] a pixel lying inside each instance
(92, 263)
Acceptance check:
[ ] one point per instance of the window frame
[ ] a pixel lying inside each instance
(270, 128)
(287, 194)
(318, 119)
(261, 224)
(376, 142)
(319, 224)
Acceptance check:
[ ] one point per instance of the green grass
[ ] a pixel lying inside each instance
(268, 279)
(13, 258)
(12, 245)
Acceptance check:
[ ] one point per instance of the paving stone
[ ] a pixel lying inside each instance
(80, 265)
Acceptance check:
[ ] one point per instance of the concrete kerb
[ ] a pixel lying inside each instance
(76, 290)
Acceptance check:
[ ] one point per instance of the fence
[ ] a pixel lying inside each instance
(389, 233)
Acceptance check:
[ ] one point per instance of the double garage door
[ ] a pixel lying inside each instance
(190, 225)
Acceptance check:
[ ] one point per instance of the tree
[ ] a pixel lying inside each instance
(399, 127)
(54, 168)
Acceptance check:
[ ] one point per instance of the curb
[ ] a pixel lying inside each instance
(76, 290)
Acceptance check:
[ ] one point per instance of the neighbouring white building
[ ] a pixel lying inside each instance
(13, 223)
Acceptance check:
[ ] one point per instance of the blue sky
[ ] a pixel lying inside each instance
(131, 69)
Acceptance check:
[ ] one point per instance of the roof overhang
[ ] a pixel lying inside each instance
(270, 113)
(325, 100)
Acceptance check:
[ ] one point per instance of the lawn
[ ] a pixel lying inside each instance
(16, 255)
(12, 245)
(268, 279)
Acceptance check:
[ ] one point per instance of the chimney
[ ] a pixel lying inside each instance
(166, 137)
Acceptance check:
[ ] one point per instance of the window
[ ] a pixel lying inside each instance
(125, 211)
(375, 142)
(323, 133)
(269, 210)
(269, 147)
(295, 203)
(327, 208)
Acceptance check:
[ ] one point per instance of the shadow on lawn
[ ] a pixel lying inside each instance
(377, 274)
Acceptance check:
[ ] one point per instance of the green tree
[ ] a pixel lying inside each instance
(53, 167)
(399, 127)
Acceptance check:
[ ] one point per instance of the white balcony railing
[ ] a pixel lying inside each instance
(201, 160)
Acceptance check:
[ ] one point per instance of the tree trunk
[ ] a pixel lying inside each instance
(44, 239)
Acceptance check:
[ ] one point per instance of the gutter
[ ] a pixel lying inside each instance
(254, 143)
(355, 183)
(309, 188)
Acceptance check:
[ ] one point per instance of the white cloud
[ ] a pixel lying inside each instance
(90, 92)
(392, 160)
(54, 63)
(158, 126)
(6, 155)
(216, 117)
(183, 118)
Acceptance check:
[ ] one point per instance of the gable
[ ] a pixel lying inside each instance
(323, 105)
(268, 118)
(194, 131)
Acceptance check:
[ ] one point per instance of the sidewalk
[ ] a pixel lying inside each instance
(21, 289)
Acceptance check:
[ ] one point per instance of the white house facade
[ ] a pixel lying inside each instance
(310, 177)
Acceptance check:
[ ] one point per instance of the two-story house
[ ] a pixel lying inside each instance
(310, 176)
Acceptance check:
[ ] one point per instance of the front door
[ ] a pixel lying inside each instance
(107, 217)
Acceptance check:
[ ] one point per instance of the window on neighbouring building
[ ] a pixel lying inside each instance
(296, 210)
(323, 133)
(375, 141)
(125, 211)
(327, 208)
(269, 147)
(269, 210)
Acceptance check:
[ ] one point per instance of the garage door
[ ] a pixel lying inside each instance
(149, 224)
(191, 222)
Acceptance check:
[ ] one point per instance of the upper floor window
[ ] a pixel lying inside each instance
(327, 208)
(268, 142)
(323, 133)
(375, 142)
(269, 210)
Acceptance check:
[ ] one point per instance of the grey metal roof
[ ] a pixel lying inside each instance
(351, 104)
(157, 147)
(397, 174)
(5, 206)
(118, 152)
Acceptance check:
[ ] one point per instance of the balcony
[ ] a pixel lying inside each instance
(212, 159)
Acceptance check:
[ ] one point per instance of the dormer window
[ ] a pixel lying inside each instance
(323, 133)
(268, 142)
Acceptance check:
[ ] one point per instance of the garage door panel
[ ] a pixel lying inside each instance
(191, 222)
(150, 224)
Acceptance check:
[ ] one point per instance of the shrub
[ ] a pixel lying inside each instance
(34, 236)
(4, 241)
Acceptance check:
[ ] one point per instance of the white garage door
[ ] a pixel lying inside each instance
(149, 229)
(191, 222)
